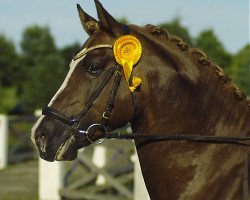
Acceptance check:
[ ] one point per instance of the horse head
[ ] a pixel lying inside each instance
(80, 111)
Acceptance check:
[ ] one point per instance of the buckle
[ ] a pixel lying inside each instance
(74, 124)
(104, 115)
(118, 73)
(87, 132)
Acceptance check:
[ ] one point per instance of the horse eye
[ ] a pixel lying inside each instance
(94, 69)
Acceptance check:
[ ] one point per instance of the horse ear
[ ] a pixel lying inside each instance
(89, 24)
(105, 19)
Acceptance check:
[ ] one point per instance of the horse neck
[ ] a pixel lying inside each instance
(184, 109)
(181, 96)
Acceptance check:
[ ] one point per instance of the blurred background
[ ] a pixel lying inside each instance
(38, 39)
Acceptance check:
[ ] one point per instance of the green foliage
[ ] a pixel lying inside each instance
(43, 67)
(37, 41)
(240, 69)
(8, 61)
(174, 27)
(8, 99)
(8, 68)
(210, 44)
(123, 20)
(43, 81)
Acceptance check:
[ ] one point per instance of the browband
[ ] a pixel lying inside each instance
(85, 51)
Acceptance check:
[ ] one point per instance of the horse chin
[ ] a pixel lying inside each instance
(81, 141)
(67, 150)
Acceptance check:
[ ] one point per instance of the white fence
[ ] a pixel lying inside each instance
(4, 128)
(50, 177)
(51, 174)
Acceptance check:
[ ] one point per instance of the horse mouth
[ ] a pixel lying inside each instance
(67, 150)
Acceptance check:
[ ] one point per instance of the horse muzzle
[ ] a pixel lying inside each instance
(55, 141)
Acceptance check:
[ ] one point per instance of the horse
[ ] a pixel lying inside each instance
(156, 82)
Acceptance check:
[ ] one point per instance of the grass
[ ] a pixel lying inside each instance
(19, 181)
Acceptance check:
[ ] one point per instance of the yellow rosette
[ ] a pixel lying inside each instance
(127, 51)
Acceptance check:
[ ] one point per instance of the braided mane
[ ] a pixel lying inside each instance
(199, 57)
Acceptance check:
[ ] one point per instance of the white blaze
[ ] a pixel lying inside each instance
(73, 65)
(34, 128)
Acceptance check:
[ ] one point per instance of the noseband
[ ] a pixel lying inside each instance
(74, 123)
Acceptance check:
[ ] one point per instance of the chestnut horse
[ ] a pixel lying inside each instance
(181, 92)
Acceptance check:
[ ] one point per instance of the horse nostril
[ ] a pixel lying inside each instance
(41, 141)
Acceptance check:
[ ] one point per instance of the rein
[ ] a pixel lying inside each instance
(149, 138)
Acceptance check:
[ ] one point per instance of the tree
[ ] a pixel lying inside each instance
(8, 73)
(44, 67)
(240, 69)
(8, 61)
(36, 42)
(44, 80)
(123, 20)
(215, 50)
(174, 27)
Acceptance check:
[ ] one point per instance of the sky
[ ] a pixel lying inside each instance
(228, 18)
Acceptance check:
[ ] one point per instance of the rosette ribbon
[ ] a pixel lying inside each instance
(127, 51)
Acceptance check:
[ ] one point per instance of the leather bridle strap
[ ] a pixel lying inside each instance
(51, 112)
(111, 101)
(95, 95)
(149, 138)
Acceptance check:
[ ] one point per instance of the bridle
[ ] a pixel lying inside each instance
(115, 71)
(74, 123)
